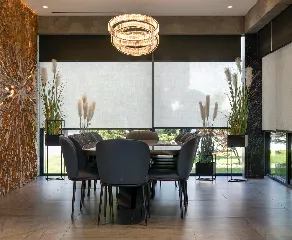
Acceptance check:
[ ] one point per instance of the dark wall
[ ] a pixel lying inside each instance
(276, 34)
(98, 48)
(255, 161)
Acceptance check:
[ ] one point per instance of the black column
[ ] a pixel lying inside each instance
(254, 158)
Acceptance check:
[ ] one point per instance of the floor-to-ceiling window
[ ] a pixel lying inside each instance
(159, 92)
(278, 155)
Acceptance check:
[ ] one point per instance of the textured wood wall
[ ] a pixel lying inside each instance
(18, 95)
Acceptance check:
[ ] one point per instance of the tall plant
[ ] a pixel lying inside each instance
(238, 98)
(51, 95)
(85, 112)
(207, 144)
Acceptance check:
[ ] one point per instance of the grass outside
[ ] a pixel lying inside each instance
(278, 163)
(55, 165)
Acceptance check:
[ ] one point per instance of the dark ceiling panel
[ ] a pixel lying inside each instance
(198, 48)
(82, 48)
(282, 29)
(264, 40)
(98, 48)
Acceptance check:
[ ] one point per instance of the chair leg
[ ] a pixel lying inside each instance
(89, 186)
(73, 199)
(175, 184)
(180, 199)
(112, 204)
(105, 201)
(117, 197)
(82, 195)
(100, 202)
(83, 187)
(144, 205)
(148, 198)
(186, 197)
(160, 183)
(94, 187)
(152, 189)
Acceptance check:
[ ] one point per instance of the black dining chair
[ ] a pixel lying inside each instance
(178, 138)
(74, 173)
(89, 136)
(185, 137)
(97, 136)
(184, 164)
(79, 142)
(123, 163)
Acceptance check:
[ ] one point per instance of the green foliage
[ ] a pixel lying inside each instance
(167, 135)
(237, 120)
(113, 134)
(207, 149)
(278, 157)
(278, 137)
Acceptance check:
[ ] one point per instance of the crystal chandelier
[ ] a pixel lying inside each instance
(134, 34)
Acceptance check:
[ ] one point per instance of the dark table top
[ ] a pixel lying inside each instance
(155, 147)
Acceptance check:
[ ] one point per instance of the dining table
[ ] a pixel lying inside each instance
(155, 147)
(129, 196)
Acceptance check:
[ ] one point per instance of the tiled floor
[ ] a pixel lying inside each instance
(258, 209)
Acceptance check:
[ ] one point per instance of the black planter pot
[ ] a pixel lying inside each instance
(206, 169)
(237, 140)
(52, 140)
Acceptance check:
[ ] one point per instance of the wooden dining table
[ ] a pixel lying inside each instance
(129, 196)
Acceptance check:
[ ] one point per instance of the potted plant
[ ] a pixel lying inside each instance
(206, 165)
(238, 99)
(51, 94)
(239, 89)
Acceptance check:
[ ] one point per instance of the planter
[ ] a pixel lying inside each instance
(52, 140)
(206, 169)
(237, 140)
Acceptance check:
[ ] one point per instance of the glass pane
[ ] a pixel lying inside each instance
(167, 136)
(54, 160)
(278, 155)
(223, 164)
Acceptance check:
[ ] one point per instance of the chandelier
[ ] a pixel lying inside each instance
(134, 34)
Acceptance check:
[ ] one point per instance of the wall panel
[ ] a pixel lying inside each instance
(18, 59)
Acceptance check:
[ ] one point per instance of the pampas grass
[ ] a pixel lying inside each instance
(84, 98)
(202, 110)
(207, 106)
(215, 111)
(44, 76)
(58, 80)
(248, 76)
(54, 66)
(238, 64)
(79, 106)
(205, 110)
(228, 74)
(234, 80)
(85, 111)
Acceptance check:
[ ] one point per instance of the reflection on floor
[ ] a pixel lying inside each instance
(258, 209)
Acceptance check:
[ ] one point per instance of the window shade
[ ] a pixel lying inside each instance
(122, 91)
(277, 90)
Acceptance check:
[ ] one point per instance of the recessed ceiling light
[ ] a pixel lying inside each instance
(229, 7)
(45, 7)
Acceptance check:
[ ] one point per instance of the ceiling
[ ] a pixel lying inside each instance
(149, 7)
